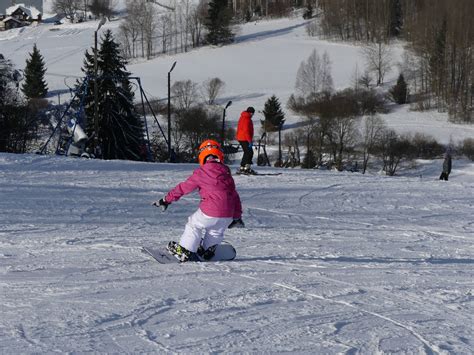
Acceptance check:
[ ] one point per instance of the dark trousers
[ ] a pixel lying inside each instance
(444, 176)
(248, 153)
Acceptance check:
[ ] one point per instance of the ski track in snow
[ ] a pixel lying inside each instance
(329, 263)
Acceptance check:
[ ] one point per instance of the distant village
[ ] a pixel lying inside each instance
(19, 15)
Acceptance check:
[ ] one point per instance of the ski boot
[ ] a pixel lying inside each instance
(182, 254)
(241, 170)
(207, 254)
(248, 170)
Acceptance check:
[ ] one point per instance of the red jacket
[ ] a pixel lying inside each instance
(245, 127)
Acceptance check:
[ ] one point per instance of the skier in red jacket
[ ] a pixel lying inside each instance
(245, 137)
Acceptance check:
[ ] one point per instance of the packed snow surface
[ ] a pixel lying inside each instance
(329, 262)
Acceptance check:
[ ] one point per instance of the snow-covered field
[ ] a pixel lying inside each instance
(329, 262)
(263, 62)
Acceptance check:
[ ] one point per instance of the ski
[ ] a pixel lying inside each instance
(257, 174)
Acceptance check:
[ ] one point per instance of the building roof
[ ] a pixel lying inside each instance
(9, 19)
(32, 12)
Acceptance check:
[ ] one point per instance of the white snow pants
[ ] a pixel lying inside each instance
(202, 227)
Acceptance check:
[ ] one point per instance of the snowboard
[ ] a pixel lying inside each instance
(238, 172)
(224, 252)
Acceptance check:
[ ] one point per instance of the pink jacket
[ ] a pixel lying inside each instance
(219, 197)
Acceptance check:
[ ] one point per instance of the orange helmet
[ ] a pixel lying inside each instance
(210, 147)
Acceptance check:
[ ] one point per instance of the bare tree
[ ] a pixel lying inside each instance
(378, 59)
(85, 8)
(198, 17)
(314, 75)
(327, 85)
(371, 134)
(308, 78)
(184, 94)
(104, 8)
(393, 149)
(212, 88)
(149, 22)
(166, 30)
(344, 136)
(67, 8)
(130, 28)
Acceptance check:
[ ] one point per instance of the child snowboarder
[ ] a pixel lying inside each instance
(220, 207)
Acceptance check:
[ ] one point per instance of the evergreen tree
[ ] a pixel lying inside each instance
(309, 160)
(16, 130)
(396, 18)
(399, 92)
(308, 14)
(437, 59)
(274, 116)
(121, 132)
(34, 86)
(274, 120)
(218, 23)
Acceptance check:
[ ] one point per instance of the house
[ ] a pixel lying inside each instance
(24, 13)
(5, 4)
(19, 16)
(9, 22)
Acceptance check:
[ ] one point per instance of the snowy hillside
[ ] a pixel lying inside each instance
(263, 61)
(329, 263)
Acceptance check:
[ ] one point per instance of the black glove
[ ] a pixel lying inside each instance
(162, 204)
(237, 223)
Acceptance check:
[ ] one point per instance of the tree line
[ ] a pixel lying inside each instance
(21, 106)
(438, 62)
(331, 131)
(150, 29)
(79, 10)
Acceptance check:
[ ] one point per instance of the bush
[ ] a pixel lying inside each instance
(426, 147)
(467, 148)
(370, 102)
(194, 125)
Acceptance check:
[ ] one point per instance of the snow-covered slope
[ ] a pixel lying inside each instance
(329, 262)
(263, 61)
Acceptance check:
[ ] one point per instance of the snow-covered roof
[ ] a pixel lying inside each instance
(31, 11)
(9, 18)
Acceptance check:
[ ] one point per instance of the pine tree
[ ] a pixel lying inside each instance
(34, 86)
(396, 18)
(121, 132)
(437, 59)
(274, 120)
(218, 23)
(16, 128)
(309, 160)
(274, 116)
(399, 92)
(308, 14)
